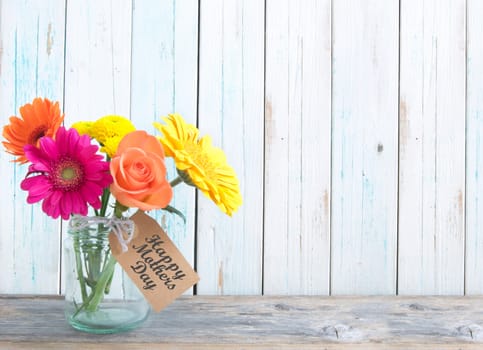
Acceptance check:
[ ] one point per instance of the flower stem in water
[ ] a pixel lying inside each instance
(98, 291)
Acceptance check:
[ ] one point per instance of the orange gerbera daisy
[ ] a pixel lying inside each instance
(41, 118)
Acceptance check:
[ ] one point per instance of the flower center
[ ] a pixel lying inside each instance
(201, 159)
(68, 175)
(36, 134)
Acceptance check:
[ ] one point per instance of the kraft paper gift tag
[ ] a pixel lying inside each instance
(154, 263)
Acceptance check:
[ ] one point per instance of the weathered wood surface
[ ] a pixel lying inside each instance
(474, 149)
(167, 83)
(230, 109)
(261, 322)
(296, 239)
(364, 147)
(432, 149)
(31, 64)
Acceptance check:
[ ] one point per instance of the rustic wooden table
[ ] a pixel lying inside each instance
(241, 322)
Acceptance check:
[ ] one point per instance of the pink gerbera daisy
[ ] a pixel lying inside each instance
(68, 174)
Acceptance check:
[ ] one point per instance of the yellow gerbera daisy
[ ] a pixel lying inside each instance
(200, 163)
(108, 131)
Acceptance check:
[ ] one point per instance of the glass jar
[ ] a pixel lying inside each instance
(99, 296)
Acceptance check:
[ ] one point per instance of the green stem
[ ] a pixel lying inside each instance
(109, 282)
(94, 262)
(98, 291)
(176, 181)
(80, 274)
(100, 273)
(119, 209)
(104, 201)
(83, 306)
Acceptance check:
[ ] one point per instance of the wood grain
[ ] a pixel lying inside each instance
(364, 147)
(304, 96)
(163, 81)
(297, 147)
(97, 65)
(229, 249)
(432, 148)
(474, 150)
(97, 59)
(262, 322)
(31, 64)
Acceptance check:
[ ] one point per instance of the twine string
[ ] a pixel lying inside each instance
(122, 228)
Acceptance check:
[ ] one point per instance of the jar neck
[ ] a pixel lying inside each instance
(100, 227)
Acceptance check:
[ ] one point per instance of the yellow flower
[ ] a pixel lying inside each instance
(83, 128)
(108, 131)
(204, 165)
(111, 126)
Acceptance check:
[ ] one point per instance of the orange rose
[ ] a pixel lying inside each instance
(139, 173)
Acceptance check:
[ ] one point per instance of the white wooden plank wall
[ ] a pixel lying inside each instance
(97, 63)
(432, 147)
(229, 251)
(364, 141)
(164, 80)
(31, 64)
(355, 128)
(474, 149)
(297, 147)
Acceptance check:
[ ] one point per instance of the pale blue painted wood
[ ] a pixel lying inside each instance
(432, 148)
(297, 147)
(229, 250)
(98, 65)
(164, 80)
(364, 147)
(97, 59)
(474, 149)
(31, 64)
(294, 224)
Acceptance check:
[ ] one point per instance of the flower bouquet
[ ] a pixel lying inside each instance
(91, 174)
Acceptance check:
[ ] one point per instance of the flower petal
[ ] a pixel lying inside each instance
(69, 175)
(204, 165)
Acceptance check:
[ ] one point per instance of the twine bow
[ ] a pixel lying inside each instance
(120, 227)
